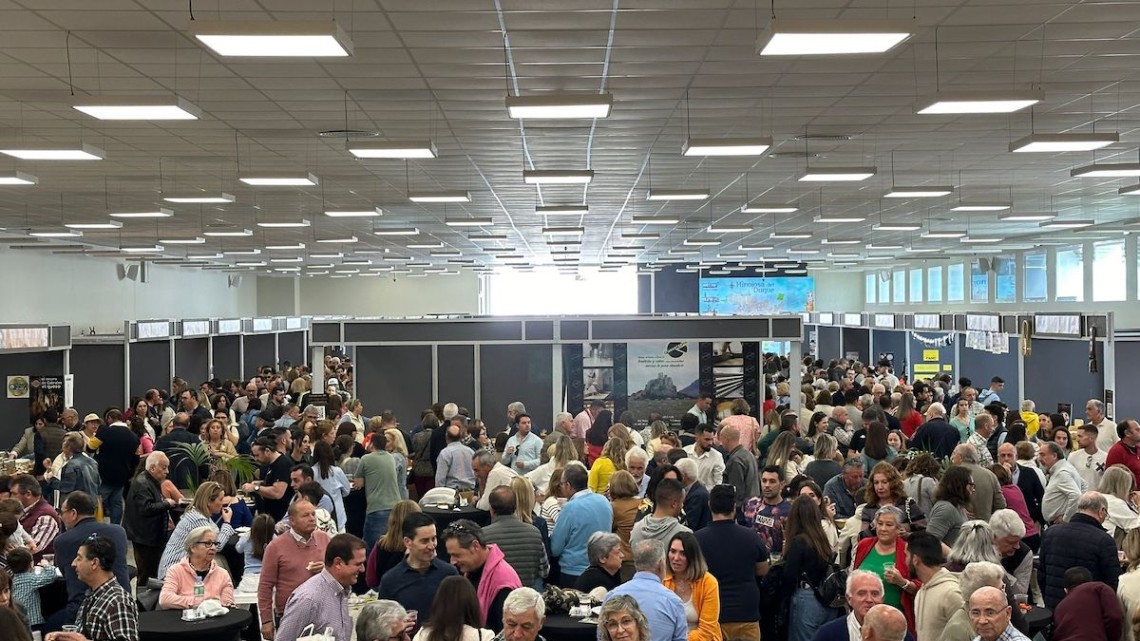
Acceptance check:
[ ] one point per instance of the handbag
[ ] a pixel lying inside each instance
(832, 590)
(308, 634)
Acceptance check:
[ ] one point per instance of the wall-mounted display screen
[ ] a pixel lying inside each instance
(757, 296)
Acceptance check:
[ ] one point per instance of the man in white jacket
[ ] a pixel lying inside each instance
(1064, 487)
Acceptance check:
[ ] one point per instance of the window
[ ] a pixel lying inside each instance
(1070, 268)
(1108, 271)
(870, 288)
(955, 287)
(1005, 270)
(1035, 278)
(884, 287)
(550, 293)
(916, 285)
(898, 287)
(934, 284)
(980, 280)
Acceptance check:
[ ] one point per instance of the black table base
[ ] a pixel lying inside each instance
(167, 625)
(561, 627)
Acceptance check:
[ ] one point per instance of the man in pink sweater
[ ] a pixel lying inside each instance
(289, 560)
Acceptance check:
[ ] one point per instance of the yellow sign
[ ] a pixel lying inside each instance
(926, 368)
(947, 368)
(930, 355)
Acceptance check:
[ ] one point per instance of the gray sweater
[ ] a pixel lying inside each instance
(521, 545)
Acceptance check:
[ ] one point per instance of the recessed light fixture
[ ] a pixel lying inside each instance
(474, 221)
(838, 218)
(1107, 170)
(918, 192)
(837, 174)
(701, 242)
(558, 176)
(944, 233)
(1067, 224)
(729, 229)
(396, 231)
(789, 235)
(831, 37)
(55, 233)
(451, 196)
(270, 38)
(800, 250)
(655, 220)
(561, 210)
(203, 198)
(50, 152)
(980, 102)
(104, 225)
(182, 240)
(560, 106)
(17, 178)
(242, 252)
(755, 248)
(641, 236)
(1131, 190)
(142, 249)
(214, 256)
(726, 146)
(287, 179)
(842, 255)
(984, 240)
(362, 212)
(768, 208)
(250, 263)
(435, 245)
(486, 237)
(409, 149)
(883, 247)
(685, 252)
(284, 224)
(338, 239)
(326, 256)
(677, 194)
(226, 232)
(1028, 218)
(137, 108)
(1053, 143)
(564, 231)
(845, 241)
(897, 226)
(159, 212)
(980, 206)
(292, 246)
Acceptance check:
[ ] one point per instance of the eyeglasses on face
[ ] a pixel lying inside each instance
(211, 544)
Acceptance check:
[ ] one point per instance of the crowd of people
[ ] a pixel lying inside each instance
(869, 511)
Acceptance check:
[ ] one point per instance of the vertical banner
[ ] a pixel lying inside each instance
(572, 377)
(708, 376)
(598, 373)
(69, 390)
(45, 392)
(1109, 405)
(664, 379)
(753, 376)
(621, 380)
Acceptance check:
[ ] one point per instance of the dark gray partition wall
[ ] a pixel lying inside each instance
(1127, 372)
(827, 346)
(457, 375)
(888, 342)
(227, 357)
(858, 340)
(259, 350)
(150, 367)
(15, 413)
(191, 359)
(396, 378)
(99, 373)
(1057, 372)
(917, 349)
(510, 373)
(980, 367)
(291, 347)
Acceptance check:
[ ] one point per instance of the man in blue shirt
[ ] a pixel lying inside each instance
(661, 606)
(453, 468)
(523, 452)
(584, 514)
(415, 580)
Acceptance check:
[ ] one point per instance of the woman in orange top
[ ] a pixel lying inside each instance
(689, 578)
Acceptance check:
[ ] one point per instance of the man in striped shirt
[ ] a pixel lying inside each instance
(39, 518)
(322, 601)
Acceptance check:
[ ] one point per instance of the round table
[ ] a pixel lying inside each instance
(562, 627)
(167, 625)
(1038, 620)
(445, 517)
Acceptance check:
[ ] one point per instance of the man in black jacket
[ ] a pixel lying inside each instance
(1026, 480)
(936, 435)
(1096, 550)
(146, 515)
(117, 460)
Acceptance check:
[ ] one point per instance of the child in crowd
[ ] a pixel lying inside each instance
(20, 538)
(252, 544)
(27, 579)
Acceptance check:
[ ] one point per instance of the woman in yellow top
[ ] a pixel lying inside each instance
(611, 460)
(214, 436)
(688, 577)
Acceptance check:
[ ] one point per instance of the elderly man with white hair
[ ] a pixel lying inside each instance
(524, 612)
(636, 460)
(1106, 429)
(974, 577)
(145, 515)
(383, 620)
(864, 592)
(1016, 556)
(936, 435)
(697, 514)
(884, 623)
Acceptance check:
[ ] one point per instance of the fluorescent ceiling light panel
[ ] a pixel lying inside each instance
(837, 174)
(564, 231)
(285, 247)
(1028, 218)
(985, 240)
(944, 233)
(642, 236)
(273, 39)
(726, 146)
(369, 212)
(409, 149)
(55, 233)
(227, 232)
(896, 226)
(96, 225)
(250, 263)
(474, 221)
(1054, 143)
(326, 255)
(846, 241)
(755, 248)
(729, 229)
(701, 242)
(202, 198)
(980, 102)
(795, 250)
(655, 220)
(436, 245)
(284, 224)
(242, 252)
(183, 240)
(288, 179)
(789, 236)
(452, 196)
(560, 106)
(883, 247)
(768, 208)
(980, 206)
(1107, 170)
(918, 192)
(838, 218)
(141, 249)
(684, 252)
(1067, 224)
(562, 210)
(558, 176)
(677, 194)
(831, 37)
(48, 152)
(17, 178)
(160, 212)
(137, 108)
(338, 239)
(486, 237)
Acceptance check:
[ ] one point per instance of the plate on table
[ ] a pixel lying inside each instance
(242, 530)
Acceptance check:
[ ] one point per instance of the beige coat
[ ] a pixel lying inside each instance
(935, 603)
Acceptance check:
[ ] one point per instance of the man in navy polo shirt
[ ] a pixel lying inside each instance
(415, 580)
(735, 556)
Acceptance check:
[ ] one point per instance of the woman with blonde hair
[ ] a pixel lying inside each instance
(561, 452)
(620, 431)
(214, 435)
(783, 395)
(741, 419)
(1117, 487)
(389, 549)
(611, 460)
(784, 455)
(208, 500)
(1128, 586)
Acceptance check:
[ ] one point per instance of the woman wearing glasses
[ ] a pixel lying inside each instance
(197, 577)
(208, 500)
(622, 620)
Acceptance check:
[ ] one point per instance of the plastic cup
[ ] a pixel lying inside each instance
(1021, 599)
(70, 628)
(413, 616)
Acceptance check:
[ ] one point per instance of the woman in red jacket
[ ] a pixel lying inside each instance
(885, 555)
